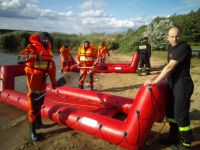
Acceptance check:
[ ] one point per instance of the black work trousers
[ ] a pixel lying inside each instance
(179, 102)
(144, 61)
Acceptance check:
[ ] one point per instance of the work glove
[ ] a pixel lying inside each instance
(21, 59)
(92, 68)
(38, 57)
(78, 65)
(54, 86)
(64, 63)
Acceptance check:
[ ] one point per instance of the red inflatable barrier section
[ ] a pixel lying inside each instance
(122, 121)
(112, 67)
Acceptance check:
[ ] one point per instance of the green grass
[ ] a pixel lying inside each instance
(195, 47)
(195, 62)
(160, 54)
(163, 55)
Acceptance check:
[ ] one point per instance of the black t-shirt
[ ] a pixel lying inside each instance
(182, 54)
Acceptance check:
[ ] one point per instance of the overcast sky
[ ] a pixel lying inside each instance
(87, 16)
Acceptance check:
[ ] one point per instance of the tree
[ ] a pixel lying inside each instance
(157, 32)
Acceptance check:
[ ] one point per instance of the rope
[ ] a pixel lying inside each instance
(156, 136)
(138, 138)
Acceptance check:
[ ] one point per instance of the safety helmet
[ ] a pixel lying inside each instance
(66, 44)
(45, 39)
(87, 42)
(44, 36)
(145, 38)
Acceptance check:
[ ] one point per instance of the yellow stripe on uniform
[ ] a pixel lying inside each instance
(142, 47)
(188, 128)
(171, 120)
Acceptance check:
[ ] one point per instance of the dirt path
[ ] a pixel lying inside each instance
(59, 137)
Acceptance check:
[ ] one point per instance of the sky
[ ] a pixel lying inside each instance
(87, 16)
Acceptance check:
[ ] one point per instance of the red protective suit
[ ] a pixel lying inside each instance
(86, 57)
(65, 57)
(102, 51)
(39, 64)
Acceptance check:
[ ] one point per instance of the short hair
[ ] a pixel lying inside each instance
(44, 35)
(177, 28)
(145, 38)
(87, 42)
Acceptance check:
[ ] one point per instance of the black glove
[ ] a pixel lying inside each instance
(21, 59)
(38, 57)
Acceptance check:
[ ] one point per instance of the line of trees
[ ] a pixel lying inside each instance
(14, 41)
(125, 42)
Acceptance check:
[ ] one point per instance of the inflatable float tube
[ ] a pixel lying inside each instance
(95, 113)
(110, 67)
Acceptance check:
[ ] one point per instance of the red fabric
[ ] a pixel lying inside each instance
(36, 77)
(64, 56)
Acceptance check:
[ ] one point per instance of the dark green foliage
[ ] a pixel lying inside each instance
(189, 24)
(114, 45)
(14, 40)
(10, 41)
(129, 41)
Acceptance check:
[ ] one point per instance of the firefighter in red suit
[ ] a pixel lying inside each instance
(86, 57)
(39, 64)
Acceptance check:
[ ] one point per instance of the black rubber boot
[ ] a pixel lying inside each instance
(173, 137)
(185, 141)
(147, 71)
(139, 72)
(92, 87)
(39, 123)
(81, 86)
(33, 134)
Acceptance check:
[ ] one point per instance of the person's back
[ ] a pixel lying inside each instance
(65, 56)
(102, 52)
(144, 50)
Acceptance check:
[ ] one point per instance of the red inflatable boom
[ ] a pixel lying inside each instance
(111, 67)
(93, 112)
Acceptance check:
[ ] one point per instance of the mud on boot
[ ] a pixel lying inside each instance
(139, 72)
(147, 71)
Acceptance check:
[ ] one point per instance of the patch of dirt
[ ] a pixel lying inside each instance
(59, 137)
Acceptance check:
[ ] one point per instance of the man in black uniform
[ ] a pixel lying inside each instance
(178, 72)
(144, 50)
